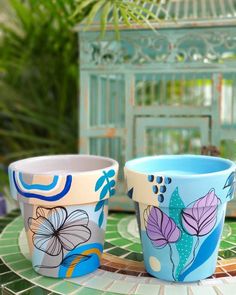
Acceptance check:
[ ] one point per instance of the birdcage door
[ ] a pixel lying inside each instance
(170, 135)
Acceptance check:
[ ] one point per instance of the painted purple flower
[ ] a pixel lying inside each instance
(160, 228)
(54, 230)
(200, 219)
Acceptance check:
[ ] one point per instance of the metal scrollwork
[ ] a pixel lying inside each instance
(201, 46)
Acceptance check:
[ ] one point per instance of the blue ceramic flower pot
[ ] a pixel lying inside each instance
(180, 206)
(63, 201)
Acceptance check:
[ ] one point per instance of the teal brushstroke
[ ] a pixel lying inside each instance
(207, 248)
(185, 243)
(38, 186)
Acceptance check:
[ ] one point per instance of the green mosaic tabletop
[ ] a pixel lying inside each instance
(121, 272)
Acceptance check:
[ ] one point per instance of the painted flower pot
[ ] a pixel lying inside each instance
(63, 201)
(180, 206)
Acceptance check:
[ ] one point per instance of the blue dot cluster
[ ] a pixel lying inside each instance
(160, 188)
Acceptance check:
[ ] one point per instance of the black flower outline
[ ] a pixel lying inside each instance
(54, 230)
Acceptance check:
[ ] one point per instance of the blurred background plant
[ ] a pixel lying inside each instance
(39, 71)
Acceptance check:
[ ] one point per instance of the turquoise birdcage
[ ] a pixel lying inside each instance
(167, 91)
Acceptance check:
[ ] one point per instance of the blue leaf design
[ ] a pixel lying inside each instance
(230, 180)
(100, 182)
(206, 250)
(110, 173)
(185, 243)
(104, 191)
(99, 205)
(112, 183)
(230, 192)
(101, 218)
(112, 192)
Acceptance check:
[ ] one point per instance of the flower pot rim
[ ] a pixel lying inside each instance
(19, 165)
(130, 166)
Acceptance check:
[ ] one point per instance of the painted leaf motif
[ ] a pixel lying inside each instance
(101, 218)
(230, 192)
(99, 205)
(99, 183)
(110, 173)
(160, 228)
(104, 191)
(230, 180)
(206, 250)
(185, 243)
(112, 192)
(230, 184)
(200, 219)
(112, 183)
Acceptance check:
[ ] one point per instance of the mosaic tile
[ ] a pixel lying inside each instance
(8, 249)
(226, 245)
(6, 242)
(99, 283)
(135, 247)
(121, 242)
(135, 256)
(29, 274)
(13, 257)
(35, 291)
(176, 290)
(3, 269)
(65, 287)
(108, 245)
(45, 281)
(117, 251)
(18, 285)
(202, 290)
(148, 289)
(88, 291)
(226, 289)
(8, 277)
(20, 265)
(111, 235)
(121, 287)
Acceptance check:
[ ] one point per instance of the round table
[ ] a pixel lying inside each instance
(121, 272)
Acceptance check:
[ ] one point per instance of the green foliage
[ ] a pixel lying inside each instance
(38, 80)
(38, 70)
(112, 11)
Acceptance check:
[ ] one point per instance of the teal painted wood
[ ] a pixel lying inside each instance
(166, 92)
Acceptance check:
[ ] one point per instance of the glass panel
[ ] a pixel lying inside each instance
(228, 103)
(107, 100)
(173, 89)
(172, 141)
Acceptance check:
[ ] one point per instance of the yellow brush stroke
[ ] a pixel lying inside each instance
(77, 260)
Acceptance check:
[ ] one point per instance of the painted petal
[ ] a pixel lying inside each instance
(201, 218)
(40, 226)
(160, 228)
(50, 245)
(72, 236)
(57, 216)
(77, 217)
(189, 222)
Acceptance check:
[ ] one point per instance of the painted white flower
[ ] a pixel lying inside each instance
(55, 231)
